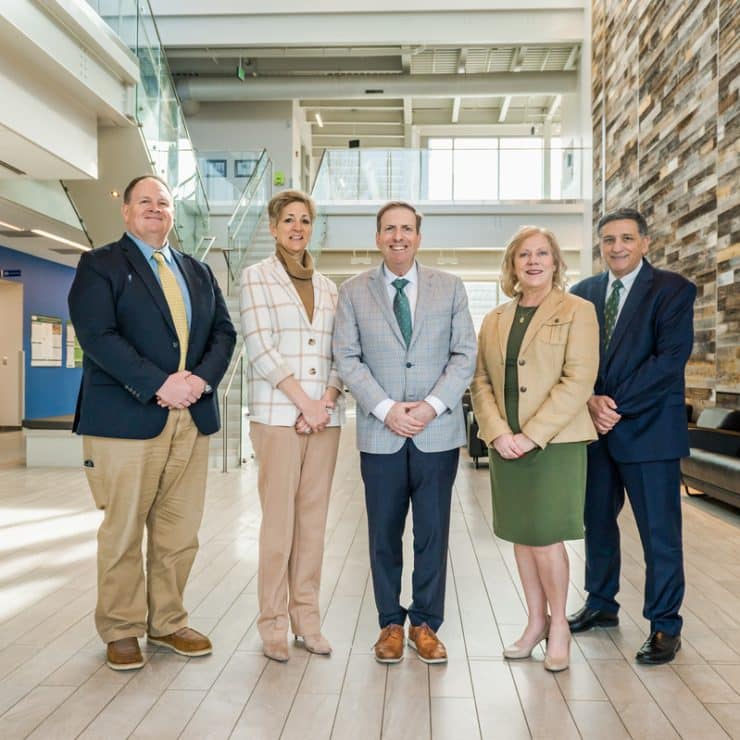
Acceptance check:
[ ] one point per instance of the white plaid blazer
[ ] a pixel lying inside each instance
(280, 341)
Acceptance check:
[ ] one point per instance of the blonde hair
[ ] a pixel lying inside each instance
(509, 283)
(285, 198)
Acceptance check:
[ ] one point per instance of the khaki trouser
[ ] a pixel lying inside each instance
(295, 474)
(158, 483)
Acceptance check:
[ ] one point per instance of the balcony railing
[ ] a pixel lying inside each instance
(491, 174)
(160, 116)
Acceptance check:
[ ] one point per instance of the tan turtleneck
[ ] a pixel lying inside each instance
(300, 270)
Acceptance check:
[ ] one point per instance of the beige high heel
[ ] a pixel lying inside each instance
(316, 644)
(275, 650)
(516, 651)
(555, 666)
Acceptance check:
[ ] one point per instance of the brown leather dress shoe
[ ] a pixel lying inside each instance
(389, 647)
(185, 641)
(428, 646)
(124, 654)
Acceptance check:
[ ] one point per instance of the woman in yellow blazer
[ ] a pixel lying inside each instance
(538, 357)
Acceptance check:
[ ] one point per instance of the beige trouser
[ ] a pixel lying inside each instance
(295, 474)
(158, 483)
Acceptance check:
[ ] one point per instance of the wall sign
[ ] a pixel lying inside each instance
(46, 341)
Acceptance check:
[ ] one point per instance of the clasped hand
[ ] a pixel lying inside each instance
(603, 411)
(314, 416)
(512, 446)
(407, 418)
(180, 390)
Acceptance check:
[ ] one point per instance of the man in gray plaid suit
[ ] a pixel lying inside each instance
(404, 345)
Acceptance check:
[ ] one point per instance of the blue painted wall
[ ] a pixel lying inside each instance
(50, 391)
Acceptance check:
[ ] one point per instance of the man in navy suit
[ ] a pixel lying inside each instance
(638, 408)
(157, 339)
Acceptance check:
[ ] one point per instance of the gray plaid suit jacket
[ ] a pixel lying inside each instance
(374, 363)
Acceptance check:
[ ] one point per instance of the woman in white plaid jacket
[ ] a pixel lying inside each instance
(295, 409)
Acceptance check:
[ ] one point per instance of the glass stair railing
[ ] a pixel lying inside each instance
(249, 217)
(530, 171)
(159, 114)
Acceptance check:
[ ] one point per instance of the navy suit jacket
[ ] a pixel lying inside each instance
(643, 367)
(130, 345)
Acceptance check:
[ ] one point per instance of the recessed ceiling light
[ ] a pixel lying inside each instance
(318, 120)
(10, 226)
(114, 194)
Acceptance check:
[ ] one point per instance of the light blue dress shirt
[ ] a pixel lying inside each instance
(165, 251)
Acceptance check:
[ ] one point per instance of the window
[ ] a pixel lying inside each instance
(492, 168)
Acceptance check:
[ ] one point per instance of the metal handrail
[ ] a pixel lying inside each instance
(237, 363)
(248, 192)
(203, 239)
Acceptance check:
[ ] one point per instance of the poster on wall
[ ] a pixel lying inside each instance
(74, 351)
(46, 341)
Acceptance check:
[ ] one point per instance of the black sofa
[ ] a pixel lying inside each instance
(713, 465)
(476, 447)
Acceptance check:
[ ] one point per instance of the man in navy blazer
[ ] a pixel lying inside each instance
(157, 339)
(638, 408)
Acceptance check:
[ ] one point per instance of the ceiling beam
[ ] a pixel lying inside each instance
(572, 58)
(553, 108)
(377, 86)
(504, 109)
(461, 64)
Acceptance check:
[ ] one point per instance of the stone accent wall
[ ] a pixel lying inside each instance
(666, 124)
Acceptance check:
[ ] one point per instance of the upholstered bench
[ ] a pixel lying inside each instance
(51, 443)
(713, 465)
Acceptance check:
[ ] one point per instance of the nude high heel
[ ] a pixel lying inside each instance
(555, 665)
(517, 651)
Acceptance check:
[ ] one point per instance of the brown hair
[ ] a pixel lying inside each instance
(508, 281)
(130, 187)
(285, 198)
(397, 204)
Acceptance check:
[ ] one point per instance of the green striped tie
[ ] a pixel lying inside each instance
(402, 309)
(611, 308)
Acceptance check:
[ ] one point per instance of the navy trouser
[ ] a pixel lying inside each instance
(423, 479)
(655, 496)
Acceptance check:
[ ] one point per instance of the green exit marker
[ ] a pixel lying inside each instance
(241, 72)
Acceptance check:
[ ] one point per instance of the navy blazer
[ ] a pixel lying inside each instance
(130, 345)
(643, 367)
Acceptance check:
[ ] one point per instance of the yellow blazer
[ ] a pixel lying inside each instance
(558, 362)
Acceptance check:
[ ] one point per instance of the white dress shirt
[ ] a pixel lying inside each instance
(411, 290)
(627, 282)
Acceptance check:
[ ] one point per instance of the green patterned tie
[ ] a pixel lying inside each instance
(402, 309)
(611, 308)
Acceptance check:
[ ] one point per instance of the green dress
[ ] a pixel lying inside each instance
(538, 498)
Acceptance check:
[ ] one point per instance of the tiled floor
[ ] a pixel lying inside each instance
(12, 449)
(54, 684)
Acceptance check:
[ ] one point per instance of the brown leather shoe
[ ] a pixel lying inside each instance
(185, 641)
(428, 646)
(389, 647)
(124, 654)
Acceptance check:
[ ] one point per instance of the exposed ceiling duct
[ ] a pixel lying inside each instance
(378, 86)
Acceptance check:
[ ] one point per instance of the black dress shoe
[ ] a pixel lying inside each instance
(586, 618)
(659, 648)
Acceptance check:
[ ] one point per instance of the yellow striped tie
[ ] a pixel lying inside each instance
(173, 296)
